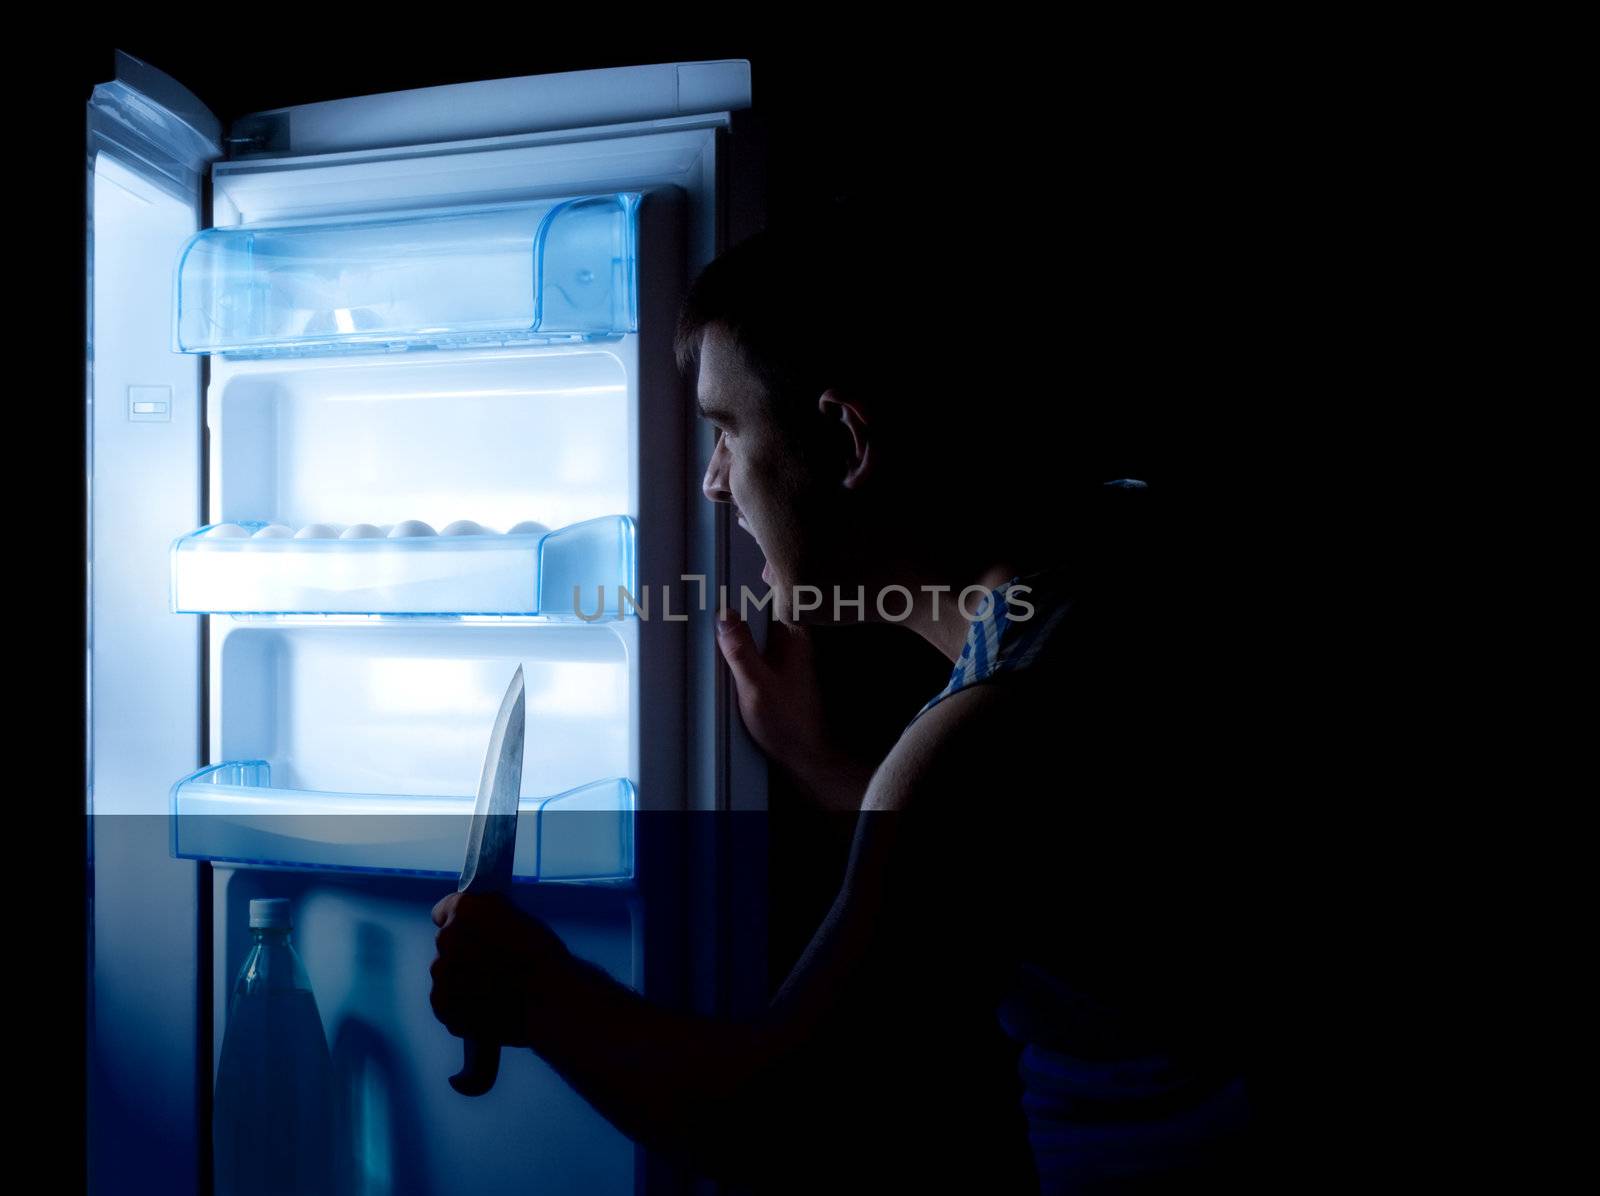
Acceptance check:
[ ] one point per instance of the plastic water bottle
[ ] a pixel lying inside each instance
(273, 1129)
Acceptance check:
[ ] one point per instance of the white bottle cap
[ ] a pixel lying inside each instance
(270, 913)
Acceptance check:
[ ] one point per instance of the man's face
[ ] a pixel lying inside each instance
(755, 466)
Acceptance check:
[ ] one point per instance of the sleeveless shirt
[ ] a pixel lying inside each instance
(1110, 1105)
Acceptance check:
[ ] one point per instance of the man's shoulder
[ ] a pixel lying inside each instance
(967, 738)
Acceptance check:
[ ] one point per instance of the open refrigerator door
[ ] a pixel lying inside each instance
(149, 146)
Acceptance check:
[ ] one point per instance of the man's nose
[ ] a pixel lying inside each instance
(715, 484)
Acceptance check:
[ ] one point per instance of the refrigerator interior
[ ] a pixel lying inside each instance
(497, 436)
(314, 707)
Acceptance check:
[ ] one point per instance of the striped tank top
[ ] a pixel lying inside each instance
(1014, 623)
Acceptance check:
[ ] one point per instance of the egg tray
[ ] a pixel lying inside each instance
(581, 572)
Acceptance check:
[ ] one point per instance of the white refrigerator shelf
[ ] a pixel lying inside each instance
(490, 274)
(574, 573)
(230, 813)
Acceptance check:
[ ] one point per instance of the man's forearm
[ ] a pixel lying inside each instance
(835, 783)
(664, 1078)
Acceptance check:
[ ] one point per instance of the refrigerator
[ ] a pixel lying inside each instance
(449, 312)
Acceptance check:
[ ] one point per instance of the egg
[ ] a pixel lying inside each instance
(529, 527)
(228, 531)
(410, 527)
(274, 531)
(318, 531)
(466, 527)
(360, 531)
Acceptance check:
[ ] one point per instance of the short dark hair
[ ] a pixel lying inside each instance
(798, 302)
(951, 324)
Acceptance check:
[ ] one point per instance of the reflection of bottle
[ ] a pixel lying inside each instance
(273, 1122)
(372, 1140)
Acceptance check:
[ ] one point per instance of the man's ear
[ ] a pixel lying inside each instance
(847, 413)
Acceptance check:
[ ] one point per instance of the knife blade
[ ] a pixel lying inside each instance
(491, 846)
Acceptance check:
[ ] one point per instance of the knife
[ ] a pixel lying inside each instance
(491, 843)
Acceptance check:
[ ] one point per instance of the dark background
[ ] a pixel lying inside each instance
(1157, 173)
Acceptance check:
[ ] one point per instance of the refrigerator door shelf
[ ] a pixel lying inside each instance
(230, 813)
(547, 271)
(583, 572)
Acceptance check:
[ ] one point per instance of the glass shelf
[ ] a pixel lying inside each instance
(553, 270)
(230, 813)
(573, 573)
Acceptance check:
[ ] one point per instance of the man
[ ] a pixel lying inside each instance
(1017, 986)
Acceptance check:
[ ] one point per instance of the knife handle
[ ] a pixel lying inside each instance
(480, 1064)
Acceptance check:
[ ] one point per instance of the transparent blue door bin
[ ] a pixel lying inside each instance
(255, 568)
(552, 270)
(230, 813)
